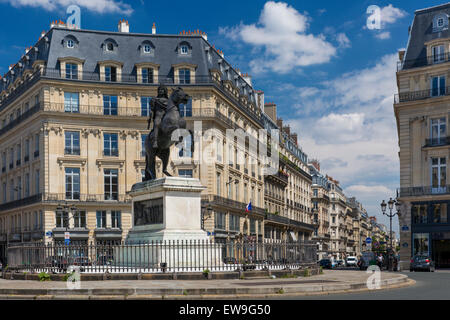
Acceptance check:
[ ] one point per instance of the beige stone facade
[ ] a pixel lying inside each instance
(422, 116)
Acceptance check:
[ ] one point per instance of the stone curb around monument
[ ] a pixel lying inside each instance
(196, 293)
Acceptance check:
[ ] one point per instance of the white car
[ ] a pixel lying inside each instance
(351, 262)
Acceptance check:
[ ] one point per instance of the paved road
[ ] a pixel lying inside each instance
(429, 286)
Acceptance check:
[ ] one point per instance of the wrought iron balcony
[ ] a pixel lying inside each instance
(421, 95)
(423, 62)
(437, 142)
(49, 73)
(75, 151)
(423, 191)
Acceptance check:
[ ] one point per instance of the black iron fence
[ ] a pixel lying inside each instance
(158, 256)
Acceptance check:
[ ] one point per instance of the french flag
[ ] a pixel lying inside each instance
(248, 208)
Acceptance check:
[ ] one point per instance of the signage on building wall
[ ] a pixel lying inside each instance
(405, 245)
(49, 234)
(405, 228)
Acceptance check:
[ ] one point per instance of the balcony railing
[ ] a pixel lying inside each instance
(75, 151)
(424, 191)
(48, 73)
(421, 94)
(437, 142)
(422, 62)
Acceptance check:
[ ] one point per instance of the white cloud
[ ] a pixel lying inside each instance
(383, 35)
(282, 32)
(98, 6)
(351, 119)
(343, 40)
(390, 14)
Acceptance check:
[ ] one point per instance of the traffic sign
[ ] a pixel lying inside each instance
(368, 240)
(49, 234)
(66, 242)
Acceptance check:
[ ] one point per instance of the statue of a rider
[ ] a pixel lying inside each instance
(159, 107)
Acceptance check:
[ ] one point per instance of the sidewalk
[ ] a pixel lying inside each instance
(329, 282)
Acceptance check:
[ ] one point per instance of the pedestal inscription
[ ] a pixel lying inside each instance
(149, 212)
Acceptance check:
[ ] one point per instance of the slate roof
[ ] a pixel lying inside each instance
(422, 32)
(89, 48)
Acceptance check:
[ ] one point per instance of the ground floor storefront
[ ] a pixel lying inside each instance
(434, 244)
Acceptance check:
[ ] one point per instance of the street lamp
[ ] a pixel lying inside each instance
(391, 214)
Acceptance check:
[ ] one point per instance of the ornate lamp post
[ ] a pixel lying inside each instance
(391, 214)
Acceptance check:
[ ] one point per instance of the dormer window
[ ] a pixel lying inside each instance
(440, 22)
(109, 46)
(110, 74)
(70, 43)
(184, 49)
(147, 48)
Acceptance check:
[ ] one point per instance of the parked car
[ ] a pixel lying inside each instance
(351, 261)
(326, 264)
(340, 263)
(422, 262)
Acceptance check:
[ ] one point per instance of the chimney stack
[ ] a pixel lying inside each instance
(124, 26)
(294, 137)
(154, 28)
(248, 78)
(280, 123)
(316, 164)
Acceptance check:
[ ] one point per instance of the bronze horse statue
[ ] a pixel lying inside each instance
(170, 122)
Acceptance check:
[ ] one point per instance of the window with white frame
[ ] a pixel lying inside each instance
(184, 49)
(116, 219)
(110, 144)
(438, 130)
(438, 54)
(72, 183)
(101, 219)
(79, 219)
(110, 74)
(184, 76)
(185, 173)
(72, 71)
(111, 185)
(70, 43)
(438, 174)
(438, 86)
(146, 106)
(147, 75)
(110, 105)
(147, 48)
(72, 143)
(71, 102)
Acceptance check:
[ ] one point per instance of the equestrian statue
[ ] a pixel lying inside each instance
(166, 119)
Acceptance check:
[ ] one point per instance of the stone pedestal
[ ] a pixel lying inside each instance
(167, 209)
(167, 228)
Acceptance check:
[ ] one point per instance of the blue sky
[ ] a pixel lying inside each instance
(332, 78)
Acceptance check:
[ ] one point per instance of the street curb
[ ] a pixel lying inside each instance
(196, 293)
